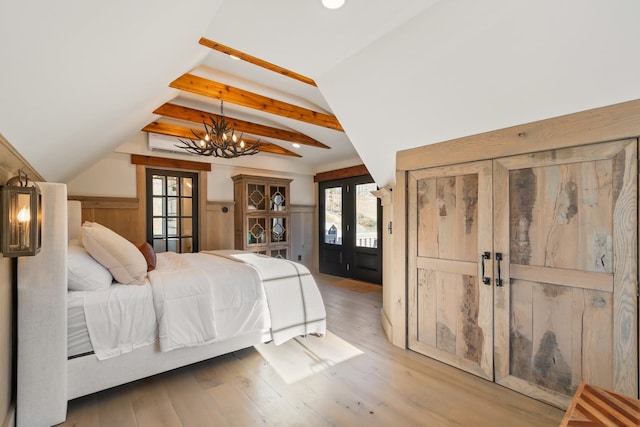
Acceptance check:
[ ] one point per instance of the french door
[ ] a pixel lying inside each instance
(350, 229)
(172, 210)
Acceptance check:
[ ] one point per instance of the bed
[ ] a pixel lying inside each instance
(189, 308)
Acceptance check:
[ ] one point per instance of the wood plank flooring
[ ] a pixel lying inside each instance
(385, 386)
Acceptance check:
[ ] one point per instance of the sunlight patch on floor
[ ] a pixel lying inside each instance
(305, 356)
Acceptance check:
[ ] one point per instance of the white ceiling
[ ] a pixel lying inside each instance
(78, 78)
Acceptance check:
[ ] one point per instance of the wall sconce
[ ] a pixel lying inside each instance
(21, 217)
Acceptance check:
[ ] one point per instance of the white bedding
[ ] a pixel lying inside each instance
(78, 341)
(123, 317)
(295, 304)
(201, 296)
(120, 319)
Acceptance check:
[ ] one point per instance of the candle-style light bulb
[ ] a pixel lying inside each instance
(24, 215)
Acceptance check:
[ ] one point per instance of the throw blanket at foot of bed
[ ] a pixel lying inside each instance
(295, 303)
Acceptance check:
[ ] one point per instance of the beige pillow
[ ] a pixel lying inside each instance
(125, 262)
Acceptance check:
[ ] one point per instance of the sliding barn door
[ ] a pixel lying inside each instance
(566, 310)
(450, 227)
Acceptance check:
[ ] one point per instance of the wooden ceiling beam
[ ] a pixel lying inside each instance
(343, 173)
(183, 132)
(255, 61)
(198, 116)
(205, 87)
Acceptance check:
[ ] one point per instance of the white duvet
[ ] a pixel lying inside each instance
(193, 300)
(196, 299)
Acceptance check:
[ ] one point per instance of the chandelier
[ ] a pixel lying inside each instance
(220, 140)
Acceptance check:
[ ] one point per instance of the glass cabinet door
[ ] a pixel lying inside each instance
(278, 195)
(257, 227)
(256, 197)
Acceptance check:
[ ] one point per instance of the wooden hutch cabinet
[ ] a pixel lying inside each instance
(262, 218)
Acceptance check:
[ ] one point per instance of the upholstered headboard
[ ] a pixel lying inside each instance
(42, 318)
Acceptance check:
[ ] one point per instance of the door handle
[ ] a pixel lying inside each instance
(484, 256)
(499, 279)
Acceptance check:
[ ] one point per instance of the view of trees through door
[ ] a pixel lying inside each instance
(350, 229)
(172, 210)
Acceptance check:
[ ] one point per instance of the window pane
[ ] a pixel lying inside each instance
(172, 206)
(172, 185)
(159, 245)
(158, 206)
(187, 245)
(186, 207)
(172, 245)
(158, 227)
(187, 187)
(366, 216)
(333, 215)
(172, 226)
(158, 185)
(187, 227)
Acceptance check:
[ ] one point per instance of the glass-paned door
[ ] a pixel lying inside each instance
(350, 229)
(172, 210)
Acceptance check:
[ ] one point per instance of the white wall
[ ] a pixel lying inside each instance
(465, 67)
(115, 176)
(112, 176)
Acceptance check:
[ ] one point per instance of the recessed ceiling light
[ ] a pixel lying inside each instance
(234, 57)
(295, 145)
(332, 4)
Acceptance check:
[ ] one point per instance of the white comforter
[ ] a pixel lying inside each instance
(193, 296)
(295, 304)
(196, 299)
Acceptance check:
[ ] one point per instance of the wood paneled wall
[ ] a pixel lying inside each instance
(126, 216)
(303, 235)
(117, 213)
(219, 219)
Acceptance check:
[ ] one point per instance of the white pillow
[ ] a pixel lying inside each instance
(84, 272)
(125, 262)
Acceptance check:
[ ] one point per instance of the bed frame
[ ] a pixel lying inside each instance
(46, 379)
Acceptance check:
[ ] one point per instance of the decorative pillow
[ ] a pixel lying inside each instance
(125, 262)
(85, 273)
(149, 254)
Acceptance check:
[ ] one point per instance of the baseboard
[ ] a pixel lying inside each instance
(10, 419)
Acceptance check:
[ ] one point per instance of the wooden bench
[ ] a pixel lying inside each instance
(595, 406)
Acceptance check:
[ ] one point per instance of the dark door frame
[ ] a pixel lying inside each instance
(195, 206)
(347, 259)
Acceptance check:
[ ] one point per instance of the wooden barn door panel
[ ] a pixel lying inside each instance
(450, 225)
(566, 225)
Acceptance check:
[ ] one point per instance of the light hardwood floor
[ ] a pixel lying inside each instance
(385, 386)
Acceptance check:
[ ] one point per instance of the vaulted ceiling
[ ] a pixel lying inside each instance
(79, 79)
